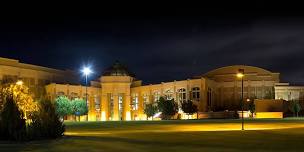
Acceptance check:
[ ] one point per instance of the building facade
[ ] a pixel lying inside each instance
(118, 95)
(33, 76)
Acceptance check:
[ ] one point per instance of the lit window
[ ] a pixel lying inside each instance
(182, 95)
(156, 96)
(145, 100)
(135, 101)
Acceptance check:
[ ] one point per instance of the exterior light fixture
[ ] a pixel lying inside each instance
(19, 82)
(86, 71)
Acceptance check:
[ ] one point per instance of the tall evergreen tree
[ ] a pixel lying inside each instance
(13, 125)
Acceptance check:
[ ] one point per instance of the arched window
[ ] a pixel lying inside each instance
(196, 93)
(168, 94)
(181, 95)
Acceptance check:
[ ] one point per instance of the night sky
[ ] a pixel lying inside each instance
(158, 45)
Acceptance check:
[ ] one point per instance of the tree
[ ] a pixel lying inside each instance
(13, 125)
(168, 108)
(45, 123)
(79, 107)
(150, 110)
(63, 106)
(295, 107)
(251, 107)
(189, 108)
(21, 96)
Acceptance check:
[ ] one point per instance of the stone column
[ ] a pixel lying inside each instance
(127, 110)
(104, 107)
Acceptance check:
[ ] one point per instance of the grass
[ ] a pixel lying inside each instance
(186, 136)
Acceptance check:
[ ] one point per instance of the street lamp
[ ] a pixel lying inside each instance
(240, 74)
(86, 71)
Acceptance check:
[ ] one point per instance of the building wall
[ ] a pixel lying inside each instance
(77, 91)
(226, 87)
(124, 98)
(35, 77)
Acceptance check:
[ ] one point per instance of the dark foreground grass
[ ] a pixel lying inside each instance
(159, 136)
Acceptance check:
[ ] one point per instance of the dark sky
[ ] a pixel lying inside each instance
(158, 45)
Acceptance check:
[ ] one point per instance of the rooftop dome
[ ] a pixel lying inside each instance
(117, 69)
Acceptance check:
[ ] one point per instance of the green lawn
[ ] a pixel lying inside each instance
(186, 135)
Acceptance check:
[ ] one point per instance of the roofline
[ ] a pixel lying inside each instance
(205, 74)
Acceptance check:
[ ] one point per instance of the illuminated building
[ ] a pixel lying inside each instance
(118, 95)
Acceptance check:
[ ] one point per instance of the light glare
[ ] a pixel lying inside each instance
(86, 71)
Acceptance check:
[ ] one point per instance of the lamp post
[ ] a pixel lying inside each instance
(240, 74)
(86, 71)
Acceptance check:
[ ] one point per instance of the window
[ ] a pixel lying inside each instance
(145, 100)
(196, 93)
(120, 105)
(182, 95)
(111, 105)
(9, 78)
(169, 94)
(97, 102)
(135, 101)
(60, 93)
(156, 96)
(209, 97)
(73, 95)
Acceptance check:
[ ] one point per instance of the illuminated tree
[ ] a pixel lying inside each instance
(150, 110)
(63, 106)
(189, 108)
(21, 96)
(79, 107)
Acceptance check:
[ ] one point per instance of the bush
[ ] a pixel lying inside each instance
(45, 123)
(13, 125)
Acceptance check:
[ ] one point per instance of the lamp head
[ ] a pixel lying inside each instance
(240, 73)
(86, 71)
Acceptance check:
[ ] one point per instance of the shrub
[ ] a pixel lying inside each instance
(45, 123)
(13, 125)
